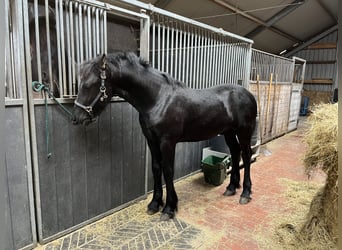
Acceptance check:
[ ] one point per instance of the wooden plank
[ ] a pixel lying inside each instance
(322, 46)
(61, 155)
(104, 168)
(117, 155)
(17, 207)
(321, 62)
(92, 165)
(47, 181)
(138, 154)
(77, 142)
(319, 81)
(129, 176)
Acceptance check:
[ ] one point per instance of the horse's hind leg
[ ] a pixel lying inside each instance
(234, 148)
(246, 157)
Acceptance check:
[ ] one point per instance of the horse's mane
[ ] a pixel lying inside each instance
(116, 60)
(118, 57)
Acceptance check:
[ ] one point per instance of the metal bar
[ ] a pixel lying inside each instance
(105, 31)
(9, 54)
(88, 44)
(62, 47)
(180, 42)
(248, 65)
(172, 52)
(202, 55)
(191, 70)
(78, 9)
(85, 34)
(195, 65)
(68, 38)
(82, 34)
(312, 40)
(27, 112)
(158, 42)
(184, 55)
(101, 32)
(39, 65)
(198, 70)
(215, 65)
(73, 59)
(167, 46)
(60, 80)
(92, 32)
(97, 24)
(225, 64)
(176, 51)
(241, 65)
(234, 65)
(221, 60)
(187, 70)
(154, 43)
(92, 29)
(145, 38)
(163, 47)
(48, 41)
(209, 79)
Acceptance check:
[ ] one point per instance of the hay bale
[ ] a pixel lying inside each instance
(321, 222)
(317, 97)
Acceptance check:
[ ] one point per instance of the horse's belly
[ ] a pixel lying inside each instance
(200, 132)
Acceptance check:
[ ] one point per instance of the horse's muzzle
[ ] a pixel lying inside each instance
(82, 118)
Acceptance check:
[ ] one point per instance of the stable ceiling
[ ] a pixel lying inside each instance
(274, 25)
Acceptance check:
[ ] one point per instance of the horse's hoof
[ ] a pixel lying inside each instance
(244, 200)
(166, 217)
(151, 211)
(229, 192)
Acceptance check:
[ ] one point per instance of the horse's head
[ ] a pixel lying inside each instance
(94, 91)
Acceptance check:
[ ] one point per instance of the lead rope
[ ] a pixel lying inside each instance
(38, 87)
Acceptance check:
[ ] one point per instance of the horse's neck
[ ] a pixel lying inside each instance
(141, 90)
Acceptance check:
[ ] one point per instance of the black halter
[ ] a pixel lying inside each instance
(102, 95)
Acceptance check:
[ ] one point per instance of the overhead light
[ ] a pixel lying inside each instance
(283, 52)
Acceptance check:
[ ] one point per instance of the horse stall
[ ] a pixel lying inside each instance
(277, 87)
(62, 177)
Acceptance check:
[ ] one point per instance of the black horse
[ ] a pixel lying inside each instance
(169, 113)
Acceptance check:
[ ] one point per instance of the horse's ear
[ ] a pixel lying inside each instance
(103, 61)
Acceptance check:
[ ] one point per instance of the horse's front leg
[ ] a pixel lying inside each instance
(157, 199)
(168, 157)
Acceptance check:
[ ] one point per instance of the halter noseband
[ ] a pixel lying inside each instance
(102, 95)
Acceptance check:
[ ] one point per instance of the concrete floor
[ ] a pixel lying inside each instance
(206, 219)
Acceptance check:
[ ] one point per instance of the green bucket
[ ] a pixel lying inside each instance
(215, 169)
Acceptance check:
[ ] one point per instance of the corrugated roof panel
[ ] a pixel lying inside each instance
(306, 21)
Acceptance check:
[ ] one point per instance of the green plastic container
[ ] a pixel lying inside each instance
(215, 169)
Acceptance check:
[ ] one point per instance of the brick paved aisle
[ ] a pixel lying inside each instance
(206, 219)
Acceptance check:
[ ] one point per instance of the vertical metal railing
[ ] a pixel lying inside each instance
(263, 64)
(76, 30)
(196, 56)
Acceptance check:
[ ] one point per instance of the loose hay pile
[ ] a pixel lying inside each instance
(312, 220)
(321, 224)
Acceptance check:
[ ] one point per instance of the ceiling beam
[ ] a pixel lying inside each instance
(324, 7)
(311, 41)
(256, 20)
(275, 18)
